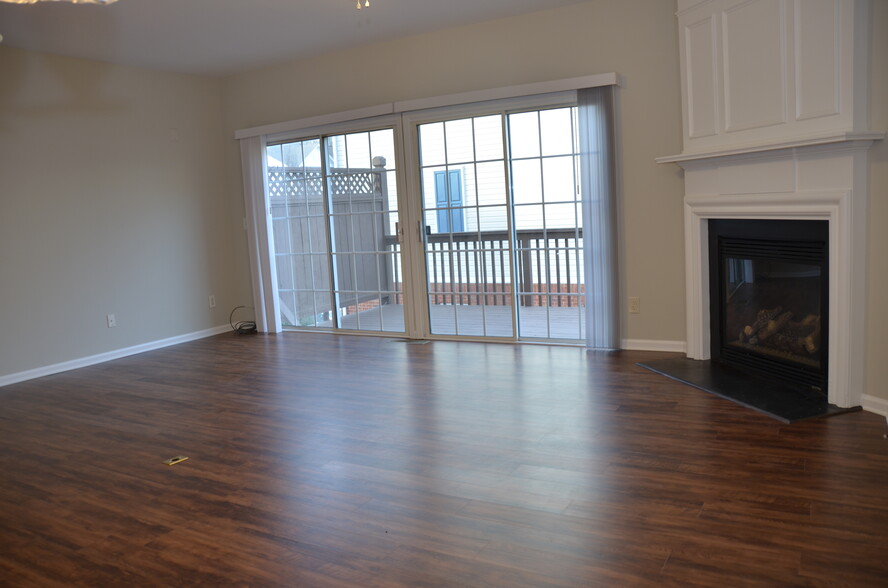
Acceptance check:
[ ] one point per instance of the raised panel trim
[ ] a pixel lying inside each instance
(729, 125)
(800, 114)
(697, 127)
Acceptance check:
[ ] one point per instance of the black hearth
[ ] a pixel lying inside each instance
(769, 299)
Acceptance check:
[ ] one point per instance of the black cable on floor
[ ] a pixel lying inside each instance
(241, 327)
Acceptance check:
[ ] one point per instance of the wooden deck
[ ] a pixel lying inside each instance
(321, 461)
(536, 322)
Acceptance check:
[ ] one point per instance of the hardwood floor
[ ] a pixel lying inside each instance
(322, 460)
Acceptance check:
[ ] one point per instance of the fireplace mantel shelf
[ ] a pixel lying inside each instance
(832, 139)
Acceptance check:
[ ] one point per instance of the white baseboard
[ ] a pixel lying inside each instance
(654, 345)
(108, 356)
(875, 404)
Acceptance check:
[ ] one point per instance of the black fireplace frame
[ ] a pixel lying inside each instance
(800, 241)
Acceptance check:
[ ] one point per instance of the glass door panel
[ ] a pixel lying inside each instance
(334, 216)
(547, 208)
(299, 227)
(466, 220)
(363, 202)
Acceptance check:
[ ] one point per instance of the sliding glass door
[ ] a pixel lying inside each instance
(488, 242)
(503, 225)
(333, 202)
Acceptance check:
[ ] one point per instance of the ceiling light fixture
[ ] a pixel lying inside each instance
(71, 1)
(365, 4)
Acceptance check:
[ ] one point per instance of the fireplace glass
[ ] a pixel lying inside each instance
(773, 308)
(769, 288)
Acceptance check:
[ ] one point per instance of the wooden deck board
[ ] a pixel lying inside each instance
(535, 322)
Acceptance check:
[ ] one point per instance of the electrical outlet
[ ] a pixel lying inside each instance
(212, 301)
(112, 321)
(634, 304)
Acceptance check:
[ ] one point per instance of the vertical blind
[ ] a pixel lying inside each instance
(598, 181)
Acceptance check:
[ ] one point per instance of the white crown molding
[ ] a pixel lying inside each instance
(74, 364)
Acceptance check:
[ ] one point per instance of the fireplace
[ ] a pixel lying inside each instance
(784, 138)
(769, 299)
(764, 295)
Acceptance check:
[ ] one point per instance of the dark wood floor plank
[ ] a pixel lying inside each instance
(325, 461)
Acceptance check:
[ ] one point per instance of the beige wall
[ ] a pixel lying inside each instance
(636, 38)
(877, 292)
(101, 211)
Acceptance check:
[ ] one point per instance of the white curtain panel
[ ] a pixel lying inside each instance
(598, 181)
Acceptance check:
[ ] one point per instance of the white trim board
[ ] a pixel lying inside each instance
(875, 404)
(315, 121)
(109, 355)
(591, 81)
(654, 345)
(594, 81)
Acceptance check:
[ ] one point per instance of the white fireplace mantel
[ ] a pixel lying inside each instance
(822, 181)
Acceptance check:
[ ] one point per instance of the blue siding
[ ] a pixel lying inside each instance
(448, 196)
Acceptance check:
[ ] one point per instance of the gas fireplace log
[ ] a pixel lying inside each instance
(773, 326)
(761, 320)
(787, 343)
(812, 319)
(801, 329)
(801, 338)
(795, 330)
(812, 341)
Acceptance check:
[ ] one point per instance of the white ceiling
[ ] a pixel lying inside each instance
(221, 37)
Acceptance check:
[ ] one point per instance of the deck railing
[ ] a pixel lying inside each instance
(474, 268)
(469, 268)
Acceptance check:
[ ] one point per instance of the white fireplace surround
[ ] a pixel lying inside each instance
(775, 117)
(826, 181)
